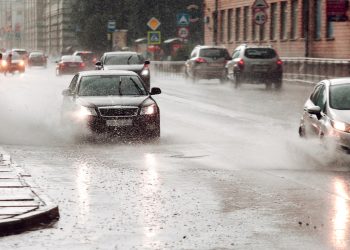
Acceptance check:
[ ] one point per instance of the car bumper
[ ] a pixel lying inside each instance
(209, 73)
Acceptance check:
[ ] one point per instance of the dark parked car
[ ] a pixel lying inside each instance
(12, 62)
(126, 60)
(255, 64)
(37, 58)
(88, 57)
(327, 113)
(69, 65)
(111, 101)
(207, 62)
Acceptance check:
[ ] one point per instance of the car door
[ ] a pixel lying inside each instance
(230, 65)
(313, 123)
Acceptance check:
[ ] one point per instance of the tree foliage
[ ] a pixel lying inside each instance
(91, 17)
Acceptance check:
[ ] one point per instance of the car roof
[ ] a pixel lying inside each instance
(83, 51)
(19, 50)
(107, 73)
(120, 53)
(338, 81)
(210, 47)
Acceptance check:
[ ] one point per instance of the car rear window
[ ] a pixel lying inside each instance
(86, 56)
(260, 53)
(123, 59)
(71, 59)
(339, 96)
(214, 53)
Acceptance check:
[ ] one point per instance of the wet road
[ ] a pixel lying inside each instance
(229, 172)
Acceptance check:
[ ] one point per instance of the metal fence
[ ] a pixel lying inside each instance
(301, 69)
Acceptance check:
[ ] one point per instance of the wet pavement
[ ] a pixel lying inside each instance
(229, 172)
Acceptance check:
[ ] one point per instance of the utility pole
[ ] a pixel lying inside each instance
(306, 26)
(215, 22)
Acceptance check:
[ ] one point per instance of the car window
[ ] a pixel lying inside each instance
(315, 93)
(321, 97)
(339, 96)
(110, 85)
(193, 54)
(73, 83)
(86, 56)
(260, 53)
(236, 54)
(214, 53)
(123, 59)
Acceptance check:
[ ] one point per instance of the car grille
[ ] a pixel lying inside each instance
(118, 111)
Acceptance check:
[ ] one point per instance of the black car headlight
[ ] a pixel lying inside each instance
(149, 110)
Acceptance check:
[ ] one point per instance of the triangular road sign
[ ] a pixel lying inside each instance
(260, 4)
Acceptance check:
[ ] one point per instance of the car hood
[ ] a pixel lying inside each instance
(134, 67)
(340, 115)
(100, 101)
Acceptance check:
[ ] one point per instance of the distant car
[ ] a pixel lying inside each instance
(207, 62)
(255, 64)
(37, 59)
(111, 101)
(15, 64)
(88, 57)
(69, 65)
(23, 54)
(126, 60)
(327, 113)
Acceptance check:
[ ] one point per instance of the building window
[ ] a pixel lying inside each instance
(229, 25)
(294, 19)
(253, 28)
(283, 20)
(273, 23)
(238, 24)
(245, 23)
(215, 27)
(318, 13)
(222, 25)
(330, 30)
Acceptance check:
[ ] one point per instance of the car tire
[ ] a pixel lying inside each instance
(194, 78)
(301, 132)
(278, 84)
(268, 85)
(154, 134)
(236, 80)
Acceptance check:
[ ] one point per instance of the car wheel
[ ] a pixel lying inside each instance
(154, 134)
(236, 80)
(301, 132)
(278, 84)
(194, 78)
(268, 85)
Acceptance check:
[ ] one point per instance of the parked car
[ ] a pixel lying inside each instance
(12, 62)
(207, 62)
(69, 65)
(111, 101)
(255, 64)
(37, 58)
(23, 54)
(126, 60)
(327, 113)
(88, 57)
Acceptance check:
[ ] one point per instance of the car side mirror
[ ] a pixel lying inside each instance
(98, 64)
(57, 61)
(314, 110)
(155, 91)
(147, 62)
(66, 92)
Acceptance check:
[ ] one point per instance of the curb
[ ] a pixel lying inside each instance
(39, 217)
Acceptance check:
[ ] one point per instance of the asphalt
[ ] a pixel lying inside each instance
(23, 206)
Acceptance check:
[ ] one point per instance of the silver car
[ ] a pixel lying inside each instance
(327, 112)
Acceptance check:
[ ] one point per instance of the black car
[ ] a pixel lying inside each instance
(126, 60)
(69, 65)
(37, 59)
(111, 102)
(88, 57)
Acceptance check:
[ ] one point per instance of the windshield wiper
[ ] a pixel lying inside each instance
(137, 86)
(120, 87)
(129, 59)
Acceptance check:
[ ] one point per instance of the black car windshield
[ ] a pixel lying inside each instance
(260, 53)
(214, 53)
(339, 96)
(111, 85)
(123, 59)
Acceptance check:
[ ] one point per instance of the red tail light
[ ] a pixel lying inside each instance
(279, 62)
(241, 64)
(61, 65)
(82, 65)
(201, 60)
(94, 60)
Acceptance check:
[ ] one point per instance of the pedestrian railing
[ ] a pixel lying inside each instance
(294, 68)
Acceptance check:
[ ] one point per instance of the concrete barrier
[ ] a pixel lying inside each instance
(295, 68)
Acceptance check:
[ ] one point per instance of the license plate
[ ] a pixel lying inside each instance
(261, 68)
(72, 65)
(216, 64)
(119, 123)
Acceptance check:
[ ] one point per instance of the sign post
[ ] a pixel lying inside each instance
(111, 26)
(260, 16)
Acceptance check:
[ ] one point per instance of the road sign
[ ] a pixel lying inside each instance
(153, 23)
(260, 17)
(183, 19)
(183, 32)
(260, 4)
(111, 26)
(154, 37)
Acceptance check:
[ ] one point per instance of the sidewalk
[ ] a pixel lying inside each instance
(22, 206)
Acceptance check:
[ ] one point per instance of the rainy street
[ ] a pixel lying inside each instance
(228, 172)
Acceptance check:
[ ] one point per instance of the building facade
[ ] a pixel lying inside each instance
(296, 28)
(34, 25)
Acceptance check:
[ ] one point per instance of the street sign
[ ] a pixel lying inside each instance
(111, 26)
(183, 19)
(260, 4)
(260, 17)
(183, 32)
(154, 37)
(153, 23)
